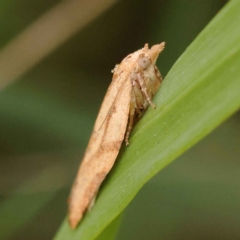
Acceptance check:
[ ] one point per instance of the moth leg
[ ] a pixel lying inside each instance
(131, 117)
(140, 79)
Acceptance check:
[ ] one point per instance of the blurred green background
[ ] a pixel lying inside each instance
(47, 114)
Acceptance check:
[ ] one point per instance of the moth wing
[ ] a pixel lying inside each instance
(103, 147)
(111, 95)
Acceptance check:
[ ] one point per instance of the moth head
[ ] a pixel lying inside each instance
(144, 62)
(155, 51)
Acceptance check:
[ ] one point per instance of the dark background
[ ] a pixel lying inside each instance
(46, 118)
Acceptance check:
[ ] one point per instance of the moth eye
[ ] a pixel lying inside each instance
(144, 62)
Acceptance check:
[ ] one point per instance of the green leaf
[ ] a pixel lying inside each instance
(200, 92)
(110, 231)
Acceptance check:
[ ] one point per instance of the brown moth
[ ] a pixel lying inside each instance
(135, 81)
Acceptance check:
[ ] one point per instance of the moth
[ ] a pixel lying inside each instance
(135, 81)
